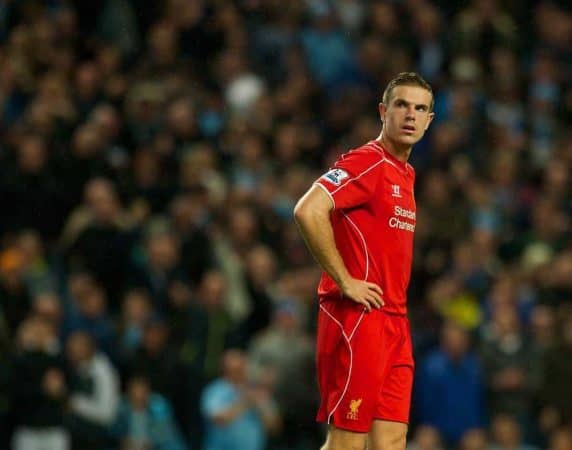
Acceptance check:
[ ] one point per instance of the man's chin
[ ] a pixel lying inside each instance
(408, 140)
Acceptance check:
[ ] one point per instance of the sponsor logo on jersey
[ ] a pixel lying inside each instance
(335, 176)
(402, 219)
(395, 190)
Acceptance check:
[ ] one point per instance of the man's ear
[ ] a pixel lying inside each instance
(382, 110)
(431, 117)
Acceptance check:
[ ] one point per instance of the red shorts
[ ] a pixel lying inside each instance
(365, 365)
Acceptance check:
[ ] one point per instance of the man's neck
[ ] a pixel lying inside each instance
(400, 153)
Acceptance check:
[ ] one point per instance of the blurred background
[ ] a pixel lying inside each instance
(154, 291)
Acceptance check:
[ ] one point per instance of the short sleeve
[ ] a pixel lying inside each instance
(352, 180)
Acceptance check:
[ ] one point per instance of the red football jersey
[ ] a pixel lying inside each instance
(373, 221)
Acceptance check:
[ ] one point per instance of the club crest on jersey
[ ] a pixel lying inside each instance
(335, 176)
(395, 190)
(352, 414)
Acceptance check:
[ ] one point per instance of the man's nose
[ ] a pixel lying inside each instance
(410, 113)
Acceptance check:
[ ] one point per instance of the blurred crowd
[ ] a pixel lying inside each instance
(154, 291)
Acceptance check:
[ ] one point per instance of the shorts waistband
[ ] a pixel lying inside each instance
(340, 298)
(393, 313)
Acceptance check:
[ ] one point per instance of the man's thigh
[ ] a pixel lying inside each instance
(384, 435)
(394, 401)
(339, 439)
(387, 435)
(351, 361)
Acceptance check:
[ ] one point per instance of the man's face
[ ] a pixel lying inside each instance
(406, 117)
(79, 348)
(139, 392)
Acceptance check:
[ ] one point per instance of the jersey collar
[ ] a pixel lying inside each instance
(386, 154)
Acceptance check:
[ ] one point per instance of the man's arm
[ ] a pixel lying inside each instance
(312, 214)
(229, 414)
(101, 406)
(215, 405)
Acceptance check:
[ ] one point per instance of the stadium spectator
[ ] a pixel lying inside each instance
(93, 393)
(38, 389)
(145, 420)
(90, 314)
(425, 438)
(450, 386)
(507, 357)
(506, 433)
(135, 313)
(267, 357)
(238, 414)
(474, 439)
(554, 388)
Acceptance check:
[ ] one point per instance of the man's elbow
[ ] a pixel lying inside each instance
(300, 211)
(305, 212)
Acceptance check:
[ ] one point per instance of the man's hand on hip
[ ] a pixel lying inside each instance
(368, 294)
